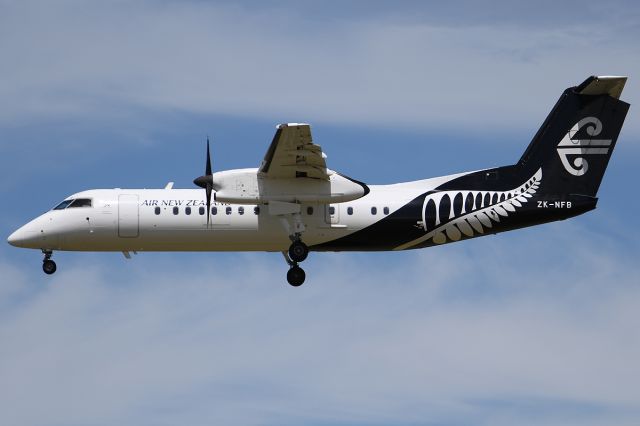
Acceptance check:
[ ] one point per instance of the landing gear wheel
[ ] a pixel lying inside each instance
(298, 251)
(296, 276)
(49, 266)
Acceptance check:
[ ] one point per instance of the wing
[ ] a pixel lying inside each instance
(292, 154)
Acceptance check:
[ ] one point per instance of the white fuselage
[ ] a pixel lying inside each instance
(175, 220)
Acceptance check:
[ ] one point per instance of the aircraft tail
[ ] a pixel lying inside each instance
(575, 142)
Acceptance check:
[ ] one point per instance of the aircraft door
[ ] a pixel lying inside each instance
(128, 216)
(332, 213)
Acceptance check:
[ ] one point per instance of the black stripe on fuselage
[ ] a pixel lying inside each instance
(386, 234)
(405, 225)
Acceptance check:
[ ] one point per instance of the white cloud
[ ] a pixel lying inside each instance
(84, 59)
(443, 335)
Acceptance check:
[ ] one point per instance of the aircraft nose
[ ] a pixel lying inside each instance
(25, 237)
(18, 238)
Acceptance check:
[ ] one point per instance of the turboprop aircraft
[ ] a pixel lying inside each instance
(292, 203)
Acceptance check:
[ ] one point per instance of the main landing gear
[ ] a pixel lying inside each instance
(291, 220)
(48, 265)
(298, 251)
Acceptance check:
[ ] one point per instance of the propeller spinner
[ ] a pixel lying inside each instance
(206, 181)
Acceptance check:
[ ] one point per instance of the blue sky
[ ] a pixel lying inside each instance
(537, 326)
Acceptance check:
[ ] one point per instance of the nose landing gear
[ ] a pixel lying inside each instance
(48, 265)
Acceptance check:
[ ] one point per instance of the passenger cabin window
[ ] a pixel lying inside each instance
(385, 210)
(187, 210)
(228, 210)
(310, 211)
(175, 210)
(201, 211)
(240, 211)
(256, 210)
(374, 211)
(81, 202)
(349, 211)
(332, 210)
(157, 210)
(63, 205)
(214, 211)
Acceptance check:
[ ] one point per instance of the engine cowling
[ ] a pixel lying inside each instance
(246, 186)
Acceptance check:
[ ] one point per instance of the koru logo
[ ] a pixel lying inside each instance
(578, 147)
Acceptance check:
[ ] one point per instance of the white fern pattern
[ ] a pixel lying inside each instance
(475, 215)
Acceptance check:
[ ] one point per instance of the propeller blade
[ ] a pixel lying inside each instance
(208, 167)
(206, 181)
(208, 190)
(209, 183)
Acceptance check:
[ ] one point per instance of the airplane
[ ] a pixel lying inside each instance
(292, 203)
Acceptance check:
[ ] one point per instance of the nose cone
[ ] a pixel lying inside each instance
(29, 236)
(22, 238)
(17, 238)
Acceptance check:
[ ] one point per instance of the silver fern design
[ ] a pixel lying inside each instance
(449, 215)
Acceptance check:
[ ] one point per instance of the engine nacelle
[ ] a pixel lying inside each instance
(246, 186)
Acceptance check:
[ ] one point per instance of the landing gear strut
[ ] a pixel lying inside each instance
(291, 220)
(48, 265)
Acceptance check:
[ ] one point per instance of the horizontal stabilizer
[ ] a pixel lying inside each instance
(602, 85)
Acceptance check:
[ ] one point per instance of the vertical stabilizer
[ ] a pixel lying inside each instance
(575, 142)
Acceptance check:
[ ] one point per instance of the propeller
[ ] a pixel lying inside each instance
(206, 181)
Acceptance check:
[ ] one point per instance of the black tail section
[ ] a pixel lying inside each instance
(575, 142)
(557, 178)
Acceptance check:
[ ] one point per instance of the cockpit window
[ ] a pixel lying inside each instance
(63, 205)
(81, 202)
(78, 202)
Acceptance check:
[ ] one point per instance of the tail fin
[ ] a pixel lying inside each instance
(575, 142)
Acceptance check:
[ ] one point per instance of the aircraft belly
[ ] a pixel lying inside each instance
(229, 239)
